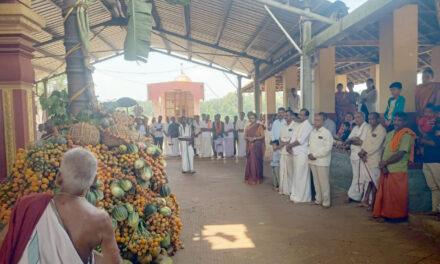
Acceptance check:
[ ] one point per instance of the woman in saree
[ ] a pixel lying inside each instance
(254, 135)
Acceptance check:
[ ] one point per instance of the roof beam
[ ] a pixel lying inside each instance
(199, 63)
(225, 20)
(187, 13)
(366, 13)
(298, 11)
(241, 54)
(158, 22)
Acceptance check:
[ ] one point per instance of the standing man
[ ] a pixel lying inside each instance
(392, 194)
(286, 160)
(294, 101)
(275, 134)
(158, 132)
(229, 138)
(428, 92)
(186, 145)
(431, 162)
(320, 154)
(218, 130)
(370, 155)
(197, 134)
(205, 139)
(167, 138)
(235, 135)
(299, 147)
(241, 125)
(173, 132)
(329, 124)
(355, 140)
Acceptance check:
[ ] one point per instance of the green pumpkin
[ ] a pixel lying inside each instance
(115, 224)
(91, 197)
(150, 209)
(58, 140)
(132, 148)
(145, 173)
(99, 194)
(144, 184)
(122, 149)
(129, 207)
(125, 184)
(166, 242)
(133, 219)
(165, 211)
(120, 213)
(139, 164)
(164, 191)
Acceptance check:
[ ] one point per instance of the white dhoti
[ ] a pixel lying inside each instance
(167, 146)
(241, 146)
(175, 147)
(301, 190)
(218, 144)
(357, 186)
(197, 144)
(187, 156)
(366, 176)
(286, 174)
(50, 243)
(205, 147)
(229, 147)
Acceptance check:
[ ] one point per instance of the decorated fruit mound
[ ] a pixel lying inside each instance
(132, 187)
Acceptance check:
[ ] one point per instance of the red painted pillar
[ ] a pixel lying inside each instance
(17, 115)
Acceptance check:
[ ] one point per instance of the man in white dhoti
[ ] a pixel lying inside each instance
(218, 131)
(229, 138)
(167, 139)
(286, 160)
(173, 132)
(299, 147)
(370, 156)
(197, 135)
(275, 134)
(320, 154)
(186, 145)
(241, 125)
(355, 140)
(64, 228)
(206, 138)
(158, 132)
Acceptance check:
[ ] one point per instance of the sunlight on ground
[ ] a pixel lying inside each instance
(227, 237)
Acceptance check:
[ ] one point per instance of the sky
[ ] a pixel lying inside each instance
(118, 78)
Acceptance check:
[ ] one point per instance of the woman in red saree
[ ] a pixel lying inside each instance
(255, 148)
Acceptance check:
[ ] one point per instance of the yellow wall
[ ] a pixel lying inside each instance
(291, 80)
(324, 82)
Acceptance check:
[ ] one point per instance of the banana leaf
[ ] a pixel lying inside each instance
(137, 41)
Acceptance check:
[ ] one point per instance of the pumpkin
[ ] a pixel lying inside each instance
(132, 148)
(164, 190)
(145, 259)
(99, 194)
(120, 213)
(91, 197)
(166, 242)
(144, 184)
(133, 219)
(150, 209)
(115, 224)
(122, 148)
(151, 150)
(139, 164)
(125, 184)
(161, 200)
(59, 140)
(116, 190)
(129, 207)
(165, 211)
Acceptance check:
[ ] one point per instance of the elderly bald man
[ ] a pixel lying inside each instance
(64, 228)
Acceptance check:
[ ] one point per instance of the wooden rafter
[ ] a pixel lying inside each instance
(187, 15)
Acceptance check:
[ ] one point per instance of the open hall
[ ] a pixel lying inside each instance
(296, 131)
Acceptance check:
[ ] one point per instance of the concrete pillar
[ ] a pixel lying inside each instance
(17, 107)
(435, 62)
(271, 102)
(324, 82)
(398, 50)
(290, 80)
(306, 67)
(239, 95)
(341, 78)
(257, 92)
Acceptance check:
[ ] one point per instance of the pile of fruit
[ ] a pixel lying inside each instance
(132, 187)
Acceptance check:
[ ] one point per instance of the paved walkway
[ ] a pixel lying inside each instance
(227, 221)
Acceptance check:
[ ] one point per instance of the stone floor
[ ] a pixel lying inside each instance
(227, 221)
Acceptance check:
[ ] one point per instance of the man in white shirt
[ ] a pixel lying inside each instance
(294, 101)
(158, 132)
(229, 138)
(286, 160)
(186, 145)
(355, 140)
(167, 139)
(206, 138)
(275, 134)
(299, 147)
(370, 156)
(241, 125)
(197, 134)
(320, 154)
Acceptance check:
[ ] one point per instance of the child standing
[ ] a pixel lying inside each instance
(426, 123)
(275, 164)
(396, 103)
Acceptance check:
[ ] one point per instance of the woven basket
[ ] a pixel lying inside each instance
(84, 134)
(122, 118)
